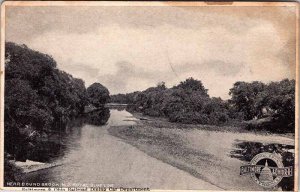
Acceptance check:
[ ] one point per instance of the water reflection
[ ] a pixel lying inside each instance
(84, 147)
(246, 150)
(99, 117)
(53, 144)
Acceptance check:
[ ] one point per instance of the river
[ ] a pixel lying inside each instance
(92, 156)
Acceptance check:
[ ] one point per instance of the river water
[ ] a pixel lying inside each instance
(91, 156)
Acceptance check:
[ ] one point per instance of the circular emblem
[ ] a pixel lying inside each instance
(266, 165)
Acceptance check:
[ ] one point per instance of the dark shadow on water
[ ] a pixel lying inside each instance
(246, 150)
(52, 144)
(98, 117)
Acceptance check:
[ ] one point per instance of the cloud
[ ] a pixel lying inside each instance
(84, 19)
(218, 67)
(129, 78)
(129, 49)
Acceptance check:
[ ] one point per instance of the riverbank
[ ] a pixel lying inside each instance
(32, 166)
(163, 122)
(15, 170)
(93, 156)
(201, 150)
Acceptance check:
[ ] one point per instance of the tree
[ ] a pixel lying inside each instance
(190, 85)
(280, 98)
(97, 94)
(39, 98)
(24, 63)
(161, 85)
(243, 97)
(275, 100)
(187, 102)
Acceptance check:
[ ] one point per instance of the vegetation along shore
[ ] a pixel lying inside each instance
(42, 101)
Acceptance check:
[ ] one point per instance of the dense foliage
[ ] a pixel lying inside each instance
(98, 94)
(127, 98)
(187, 102)
(261, 106)
(275, 100)
(39, 98)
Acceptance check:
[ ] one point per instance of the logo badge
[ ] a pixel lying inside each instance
(266, 169)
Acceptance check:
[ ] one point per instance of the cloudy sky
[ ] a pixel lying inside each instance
(132, 48)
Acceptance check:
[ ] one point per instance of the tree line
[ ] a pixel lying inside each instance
(253, 105)
(41, 99)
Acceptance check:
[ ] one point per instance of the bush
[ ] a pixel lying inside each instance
(39, 98)
(97, 94)
(188, 102)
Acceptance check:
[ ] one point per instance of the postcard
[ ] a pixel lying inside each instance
(149, 96)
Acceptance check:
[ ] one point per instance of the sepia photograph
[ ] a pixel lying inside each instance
(141, 96)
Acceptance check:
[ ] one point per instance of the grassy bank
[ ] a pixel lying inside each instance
(203, 151)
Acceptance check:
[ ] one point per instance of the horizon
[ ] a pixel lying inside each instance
(137, 48)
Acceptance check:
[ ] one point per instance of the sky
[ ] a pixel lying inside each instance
(132, 48)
